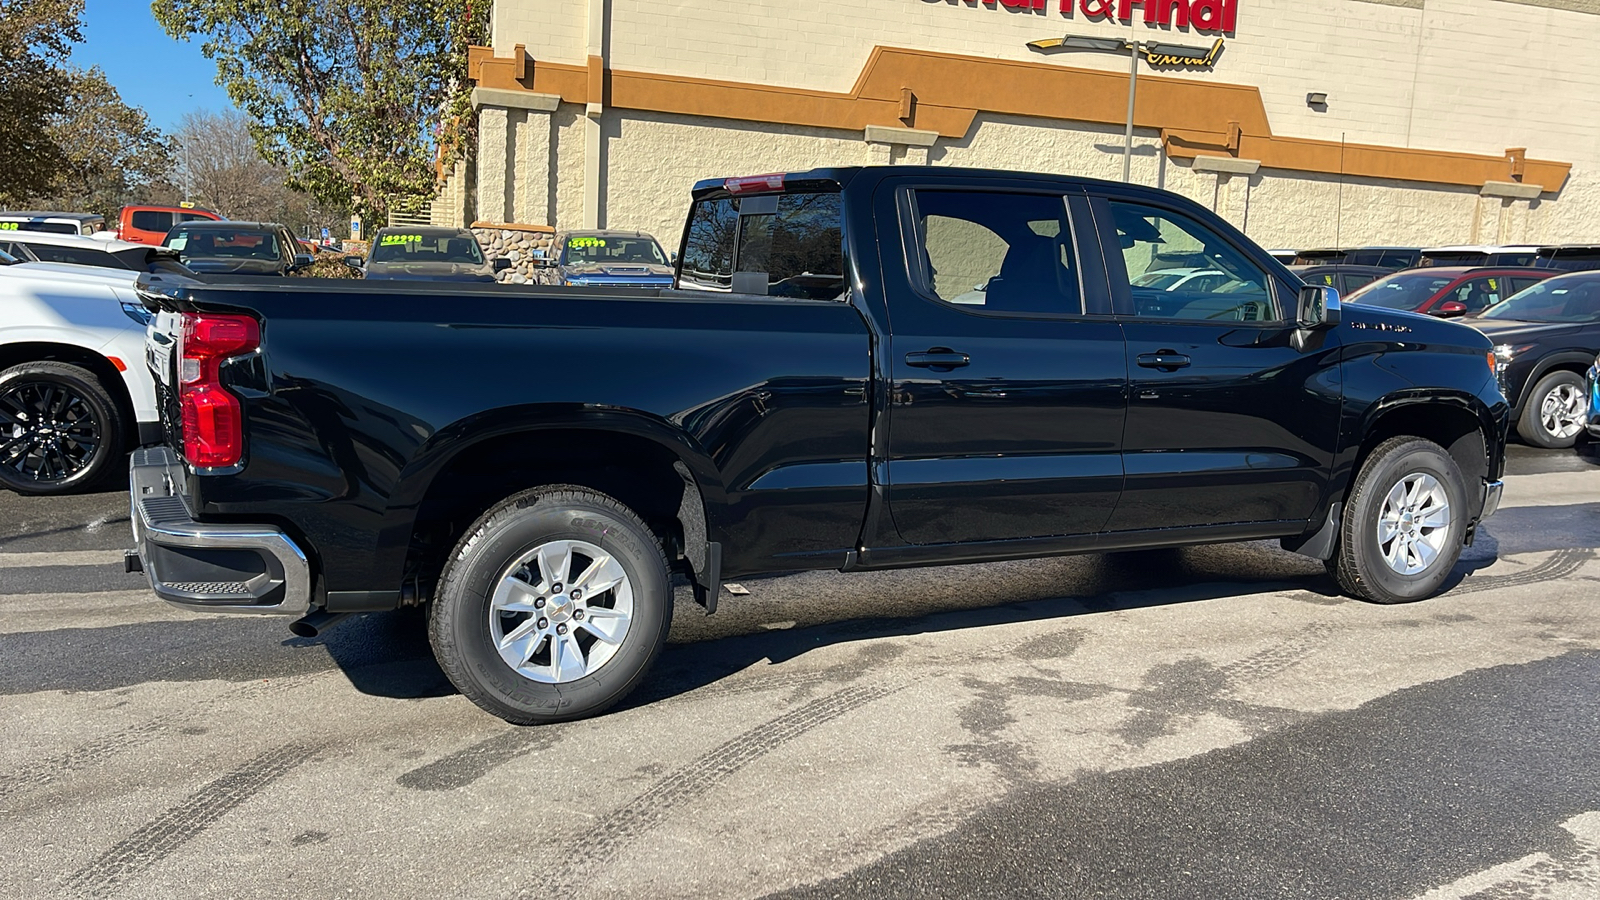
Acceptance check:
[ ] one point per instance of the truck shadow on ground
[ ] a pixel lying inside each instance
(785, 617)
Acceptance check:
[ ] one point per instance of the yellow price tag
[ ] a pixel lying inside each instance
(10, 226)
(586, 242)
(394, 240)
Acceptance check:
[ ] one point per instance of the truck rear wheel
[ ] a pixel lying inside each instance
(60, 430)
(552, 607)
(1403, 525)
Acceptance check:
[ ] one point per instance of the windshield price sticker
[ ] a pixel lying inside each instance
(10, 226)
(395, 240)
(586, 242)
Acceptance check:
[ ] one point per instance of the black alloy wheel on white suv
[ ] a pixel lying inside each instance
(60, 430)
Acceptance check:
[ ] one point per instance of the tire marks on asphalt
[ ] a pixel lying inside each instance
(163, 835)
(42, 772)
(698, 777)
(1558, 565)
(463, 767)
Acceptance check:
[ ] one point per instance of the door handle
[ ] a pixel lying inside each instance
(938, 358)
(1165, 360)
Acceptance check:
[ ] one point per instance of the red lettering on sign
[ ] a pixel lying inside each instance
(1201, 15)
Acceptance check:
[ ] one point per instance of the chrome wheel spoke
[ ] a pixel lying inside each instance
(513, 594)
(602, 575)
(566, 658)
(555, 563)
(608, 625)
(522, 643)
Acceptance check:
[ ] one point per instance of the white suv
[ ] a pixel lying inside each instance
(44, 246)
(75, 393)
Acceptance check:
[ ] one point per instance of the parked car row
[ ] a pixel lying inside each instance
(1565, 257)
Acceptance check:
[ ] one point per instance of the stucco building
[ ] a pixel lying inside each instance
(1317, 123)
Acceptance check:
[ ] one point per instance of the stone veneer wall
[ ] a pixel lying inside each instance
(520, 244)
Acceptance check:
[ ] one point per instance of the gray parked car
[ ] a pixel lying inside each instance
(237, 248)
(612, 259)
(426, 254)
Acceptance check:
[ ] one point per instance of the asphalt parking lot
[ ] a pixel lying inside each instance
(1212, 722)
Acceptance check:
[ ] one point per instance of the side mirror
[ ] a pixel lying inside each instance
(1449, 309)
(543, 262)
(302, 260)
(501, 264)
(1318, 307)
(355, 262)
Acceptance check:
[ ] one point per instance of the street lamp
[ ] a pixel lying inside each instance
(1157, 52)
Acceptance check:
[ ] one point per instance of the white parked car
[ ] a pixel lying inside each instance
(75, 393)
(109, 253)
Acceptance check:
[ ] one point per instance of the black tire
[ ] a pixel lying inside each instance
(1532, 425)
(1359, 562)
(459, 625)
(60, 430)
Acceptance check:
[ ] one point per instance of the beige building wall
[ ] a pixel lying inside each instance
(1474, 76)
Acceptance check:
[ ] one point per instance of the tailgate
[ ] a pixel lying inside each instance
(161, 355)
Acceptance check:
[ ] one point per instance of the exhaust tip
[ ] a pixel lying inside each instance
(313, 624)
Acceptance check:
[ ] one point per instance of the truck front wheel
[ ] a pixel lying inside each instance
(552, 607)
(1404, 524)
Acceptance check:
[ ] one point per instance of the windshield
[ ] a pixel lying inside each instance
(605, 249)
(1572, 299)
(414, 247)
(1407, 292)
(217, 243)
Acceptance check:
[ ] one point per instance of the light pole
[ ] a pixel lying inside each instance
(1157, 52)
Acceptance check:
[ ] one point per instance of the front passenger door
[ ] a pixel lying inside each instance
(1228, 422)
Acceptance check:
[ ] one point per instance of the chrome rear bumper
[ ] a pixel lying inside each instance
(237, 568)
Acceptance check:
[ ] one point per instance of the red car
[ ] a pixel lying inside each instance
(1447, 291)
(150, 224)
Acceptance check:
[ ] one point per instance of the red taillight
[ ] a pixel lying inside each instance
(213, 421)
(753, 183)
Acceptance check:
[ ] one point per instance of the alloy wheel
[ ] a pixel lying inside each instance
(1562, 411)
(48, 433)
(560, 611)
(1414, 523)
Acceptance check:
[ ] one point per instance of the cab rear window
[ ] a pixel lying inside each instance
(780, 245)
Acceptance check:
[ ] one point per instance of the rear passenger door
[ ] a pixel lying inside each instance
(1007, 369)
(1228, 423)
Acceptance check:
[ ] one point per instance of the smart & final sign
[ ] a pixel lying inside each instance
(1200, 15)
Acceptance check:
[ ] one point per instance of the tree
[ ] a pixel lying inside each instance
(222, 170)
(113, 155)
(349, 95)
(36, 37)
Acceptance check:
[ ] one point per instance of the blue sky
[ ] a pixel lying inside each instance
(151, 70)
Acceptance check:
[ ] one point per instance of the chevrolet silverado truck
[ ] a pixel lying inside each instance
(856, 369)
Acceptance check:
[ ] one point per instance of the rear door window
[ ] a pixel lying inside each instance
(780, 245)
(1349, 284)
(997, 252)
(151, 220)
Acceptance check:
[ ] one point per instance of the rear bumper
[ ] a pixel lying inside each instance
(196, 565)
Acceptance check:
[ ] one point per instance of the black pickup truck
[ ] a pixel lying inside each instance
(857, 369)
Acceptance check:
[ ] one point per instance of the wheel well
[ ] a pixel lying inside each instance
(635, 471)
(1455, 428)
(98, 365)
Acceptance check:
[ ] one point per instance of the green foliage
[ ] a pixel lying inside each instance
(351, 96)
(114, 156)
(36, 37)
